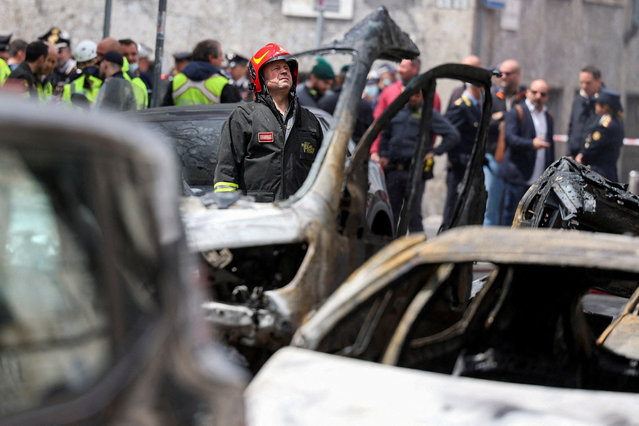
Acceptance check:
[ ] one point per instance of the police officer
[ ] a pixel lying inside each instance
(65, 69)
(396, 147)
(267, 146)
(238, 69)
(603, 143)
(202, 80)
(465, 115)
(582, 114)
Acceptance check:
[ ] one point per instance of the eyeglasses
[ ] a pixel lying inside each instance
(507, 73)
(542, 94)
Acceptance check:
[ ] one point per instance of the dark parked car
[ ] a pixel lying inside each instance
(99, 318)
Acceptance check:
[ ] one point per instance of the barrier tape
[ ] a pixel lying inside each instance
(626, 141)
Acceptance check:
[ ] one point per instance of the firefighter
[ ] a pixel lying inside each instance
(267, 146)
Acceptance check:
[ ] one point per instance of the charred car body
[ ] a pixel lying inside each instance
(534, 321)
(554, 309)
(569, 195)
(269, 264)
(99, 318)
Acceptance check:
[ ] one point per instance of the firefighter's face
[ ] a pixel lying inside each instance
(278, 75)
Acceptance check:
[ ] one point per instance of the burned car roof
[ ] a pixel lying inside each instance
(409, 306)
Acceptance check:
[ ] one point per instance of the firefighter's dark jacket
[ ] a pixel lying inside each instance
(253, 156)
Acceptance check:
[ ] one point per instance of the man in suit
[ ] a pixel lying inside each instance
(505, 94)
(529, 146)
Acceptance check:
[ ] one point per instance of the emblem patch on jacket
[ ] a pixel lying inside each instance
(308, 148)
(265, 137)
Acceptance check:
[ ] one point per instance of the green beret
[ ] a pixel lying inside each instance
(323, 70)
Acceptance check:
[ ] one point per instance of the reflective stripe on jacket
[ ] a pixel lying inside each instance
(76, 88)
(190, 92)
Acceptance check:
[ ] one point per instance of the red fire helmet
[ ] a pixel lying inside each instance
(269, 53)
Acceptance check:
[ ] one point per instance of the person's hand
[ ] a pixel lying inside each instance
(383, 161)
(429, 155)
(539, 142)
(579, 158)
(375, 157)
(497, 115)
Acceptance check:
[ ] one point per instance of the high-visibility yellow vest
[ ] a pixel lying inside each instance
(139, 88)
(4, 71)
(189, 92)
(45, 91)
(76, 87)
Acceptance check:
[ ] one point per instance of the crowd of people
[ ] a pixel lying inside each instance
(519, 143)
(51, 70)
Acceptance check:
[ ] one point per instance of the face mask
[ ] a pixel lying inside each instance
(387, 82)
(133, 67)
(371, 90)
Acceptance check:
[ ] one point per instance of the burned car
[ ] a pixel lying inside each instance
(538, 318)
(553, 308)
(99, 318)
(269, 264)
(569, 195)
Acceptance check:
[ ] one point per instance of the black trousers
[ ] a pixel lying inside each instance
(397, 185)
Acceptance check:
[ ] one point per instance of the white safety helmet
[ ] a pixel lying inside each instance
(85, 51)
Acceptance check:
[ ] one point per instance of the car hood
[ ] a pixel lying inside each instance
(247, 223)
(301, 387)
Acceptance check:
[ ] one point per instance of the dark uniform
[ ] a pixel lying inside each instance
(397, 143)
(582, 119)
(465, 116)
(602, 146)
(254, 155)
